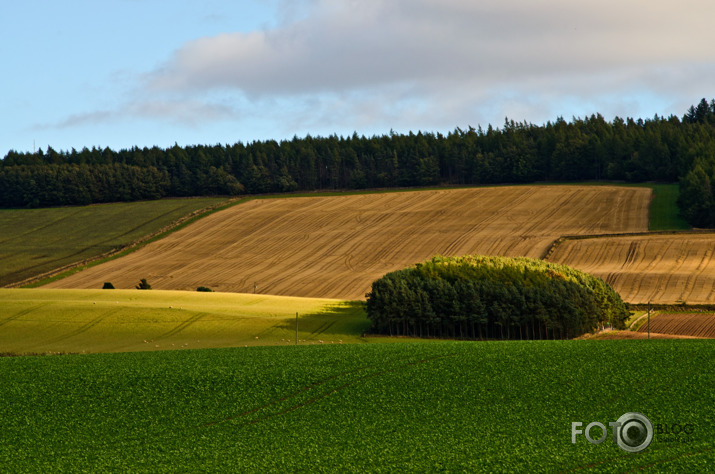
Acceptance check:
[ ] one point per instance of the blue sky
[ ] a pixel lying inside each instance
(120, 73)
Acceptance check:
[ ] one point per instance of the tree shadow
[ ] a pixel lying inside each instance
(347, 318)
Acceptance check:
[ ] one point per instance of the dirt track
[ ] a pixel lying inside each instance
(334, 247)
(663, 269)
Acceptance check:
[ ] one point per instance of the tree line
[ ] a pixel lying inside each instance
(479, 297)
(658, 149)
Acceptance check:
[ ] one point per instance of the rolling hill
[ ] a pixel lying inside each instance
(335, 246)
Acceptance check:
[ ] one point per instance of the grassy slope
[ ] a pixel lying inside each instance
(33, 241)
(664, 213)
(491, 406)
(39, 320)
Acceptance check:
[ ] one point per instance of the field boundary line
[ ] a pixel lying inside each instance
(557, 242)
(634, 326)
(642, 321)
(71, 268)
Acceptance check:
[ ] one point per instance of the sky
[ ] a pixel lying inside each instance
(124, 73)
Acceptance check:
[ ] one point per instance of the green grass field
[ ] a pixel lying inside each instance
(664, 213)
(34, 241)
(76, 321)
(413, 407)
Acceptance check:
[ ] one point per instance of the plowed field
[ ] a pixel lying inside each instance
(682, 324)
(658, 268)
(618, 335)
(334, 247)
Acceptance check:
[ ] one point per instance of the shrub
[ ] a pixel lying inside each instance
(108, 286)
(204, 289)
(143, 285)
(492, 297)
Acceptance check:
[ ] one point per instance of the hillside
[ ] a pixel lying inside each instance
(666, 269)
(34, 241)
(335, 247)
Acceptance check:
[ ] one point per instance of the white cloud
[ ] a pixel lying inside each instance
(184, 112)
(329, 66)
(188, 112)
(342, 46)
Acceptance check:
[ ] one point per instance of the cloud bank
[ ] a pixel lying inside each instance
(432, 64)
(352, 45)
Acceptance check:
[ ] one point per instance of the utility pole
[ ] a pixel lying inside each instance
(296, 328)
(255, 285)
(649, 320)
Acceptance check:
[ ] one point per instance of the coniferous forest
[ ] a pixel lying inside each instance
(660, 149)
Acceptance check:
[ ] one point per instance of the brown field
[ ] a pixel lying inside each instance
(608, 335)
(664, 269)
(334, 247)
(682, 324)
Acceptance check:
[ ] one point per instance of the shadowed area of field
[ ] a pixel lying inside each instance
(34, 241)
(682, 324)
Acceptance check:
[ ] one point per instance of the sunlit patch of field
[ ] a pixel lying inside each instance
(41, 321)
(665, 269)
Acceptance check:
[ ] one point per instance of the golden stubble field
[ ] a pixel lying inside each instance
(663, 269)
(334, 247)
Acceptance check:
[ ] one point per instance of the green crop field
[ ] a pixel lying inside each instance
(664, 212)
(446, 406)
(41, 321)
(34, 241)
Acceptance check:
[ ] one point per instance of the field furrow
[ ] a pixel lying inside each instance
(682, 324)
(663, 269)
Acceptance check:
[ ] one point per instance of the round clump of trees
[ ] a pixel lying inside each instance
(482, 297)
